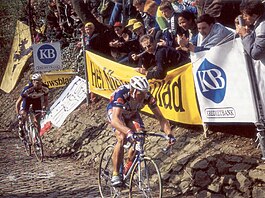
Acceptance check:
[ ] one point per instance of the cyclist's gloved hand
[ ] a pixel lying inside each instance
(171, 139)
(130, 136)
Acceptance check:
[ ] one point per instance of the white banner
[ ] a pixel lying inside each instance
(223, 84)
(47, 57)
(70, 99)
(259, 67)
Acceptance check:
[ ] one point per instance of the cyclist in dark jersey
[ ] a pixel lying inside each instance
(123, 114)
(35, 93)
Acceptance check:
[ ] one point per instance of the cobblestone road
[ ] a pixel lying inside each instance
(23, 176)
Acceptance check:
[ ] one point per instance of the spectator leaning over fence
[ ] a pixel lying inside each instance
(95, 41)
(133, 44)
(129, 27)
(253, 30)
(123, 114)
(35, 94)
(210, 34)
(166, 58)
(186, 20)
(118, 48)
(173, 29)
(138, 29)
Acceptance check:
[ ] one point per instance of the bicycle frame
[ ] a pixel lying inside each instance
(139, 147)
(30, 123)
(33, 137)
(137, 178)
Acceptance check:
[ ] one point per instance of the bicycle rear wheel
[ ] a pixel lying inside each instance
(37, 144)
(105, 173)
(145, 180)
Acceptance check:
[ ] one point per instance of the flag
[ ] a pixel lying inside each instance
(20, 52)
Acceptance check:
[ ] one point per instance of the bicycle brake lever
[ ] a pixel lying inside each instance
(127, 145)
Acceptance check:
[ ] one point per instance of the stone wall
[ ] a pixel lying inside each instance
(222, 165)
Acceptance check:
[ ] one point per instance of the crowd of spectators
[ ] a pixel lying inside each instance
(153, 36)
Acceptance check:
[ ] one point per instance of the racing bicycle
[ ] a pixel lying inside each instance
(143, 179)
(32, 139)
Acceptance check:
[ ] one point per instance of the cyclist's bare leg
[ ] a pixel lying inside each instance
(21, 121)
(131, 155)
(118, 152)
(37, 121)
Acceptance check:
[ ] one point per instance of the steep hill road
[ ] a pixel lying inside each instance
(23, 176)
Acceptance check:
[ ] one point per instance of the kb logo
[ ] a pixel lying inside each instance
(212, 81)
(47, 54)
(47, 57)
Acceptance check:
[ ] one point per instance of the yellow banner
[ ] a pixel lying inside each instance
(19, 54)
(58, 78)
(175, 94)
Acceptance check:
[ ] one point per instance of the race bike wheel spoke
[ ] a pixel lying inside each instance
(37, 145)
(145, 180)
(27, 146)
(27, 140)
(105, 173)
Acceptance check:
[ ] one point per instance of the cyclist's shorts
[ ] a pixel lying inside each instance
(134, 120)
(36, 104)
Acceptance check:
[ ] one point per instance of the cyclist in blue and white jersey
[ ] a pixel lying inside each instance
(35, 93)
(123, 114)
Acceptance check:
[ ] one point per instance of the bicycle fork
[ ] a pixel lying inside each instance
(143, 175)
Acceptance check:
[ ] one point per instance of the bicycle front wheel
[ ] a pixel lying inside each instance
(105, 173)
(37, 144)
(27, 141)
(145, 180)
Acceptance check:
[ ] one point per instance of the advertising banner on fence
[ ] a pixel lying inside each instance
(259, 67)
(223, 84)
(20, 52)
(68, 101)
(175, 94)
(58, 78)
(47, 57)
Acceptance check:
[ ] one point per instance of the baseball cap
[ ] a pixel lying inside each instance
(89, 24)
(137, 25)
(131, 22)
(117, 24)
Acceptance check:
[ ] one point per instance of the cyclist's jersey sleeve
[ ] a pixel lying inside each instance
(30, 93)
(26, 88)
(121, 98)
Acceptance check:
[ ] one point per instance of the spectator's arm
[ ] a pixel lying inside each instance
(255, 47)
(156, 74)
(159, 72)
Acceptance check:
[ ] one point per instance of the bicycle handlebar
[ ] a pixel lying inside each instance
(152, 134)
(37, 112)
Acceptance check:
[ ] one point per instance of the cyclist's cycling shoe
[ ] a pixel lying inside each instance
(116, 181)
